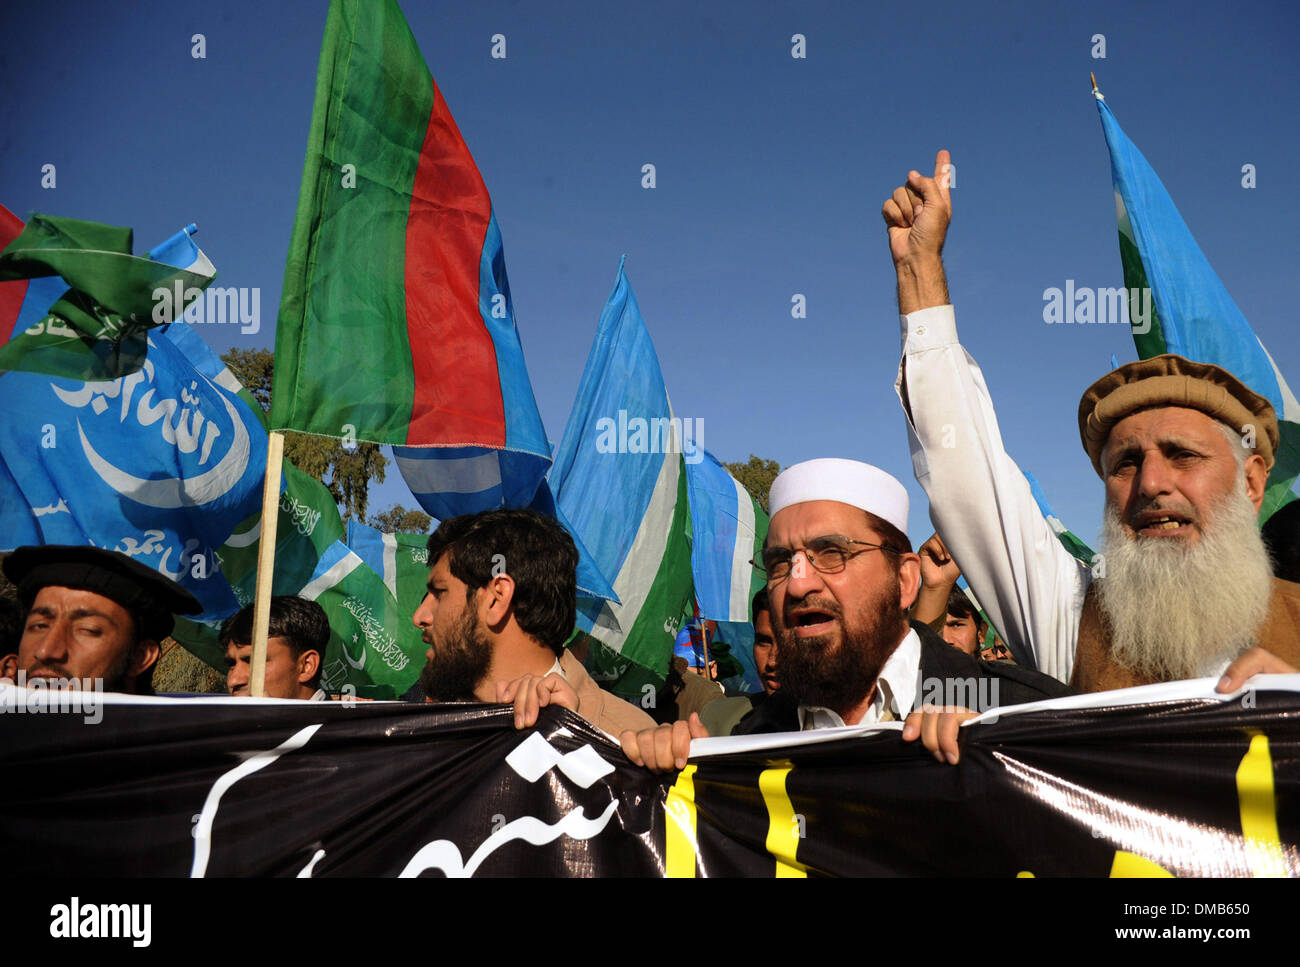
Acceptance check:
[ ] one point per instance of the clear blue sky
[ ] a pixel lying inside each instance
(771, 172)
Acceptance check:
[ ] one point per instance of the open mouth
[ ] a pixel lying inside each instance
(806, 624)
(1155, 524)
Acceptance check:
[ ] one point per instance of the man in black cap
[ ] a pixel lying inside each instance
(92, 615)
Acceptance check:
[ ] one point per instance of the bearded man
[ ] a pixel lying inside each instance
(94, 618)
(1184, 586)
(501, 603)
(841, 575)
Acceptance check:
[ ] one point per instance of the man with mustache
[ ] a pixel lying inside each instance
(92, 615)
(841, 575)
(501, 603)
(1183, 450)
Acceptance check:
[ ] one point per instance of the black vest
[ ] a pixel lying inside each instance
(950, 669)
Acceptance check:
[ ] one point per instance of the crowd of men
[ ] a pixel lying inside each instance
(853, 626)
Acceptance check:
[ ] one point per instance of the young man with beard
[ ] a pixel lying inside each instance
(841, 575)
(1183, 450)
(501, 603)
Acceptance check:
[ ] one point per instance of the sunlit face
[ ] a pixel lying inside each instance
(72, 634)
(286, 676)
(961, 633)
(459, 653)
(765, 651)
(1165, 469)
(835, 630)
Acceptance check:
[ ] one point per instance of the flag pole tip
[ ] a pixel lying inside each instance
(1096, 93)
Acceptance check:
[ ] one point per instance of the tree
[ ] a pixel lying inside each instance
(756, 476)
(398, 520)
(350, 468)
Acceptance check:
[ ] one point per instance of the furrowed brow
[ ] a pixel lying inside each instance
(1114, 454)
(89, 613)
(1182, 443)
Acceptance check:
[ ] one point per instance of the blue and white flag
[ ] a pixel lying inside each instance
(728, 527)
(1069, 540)
(619, 478)
(180, 251)
(450, 481)
(161, 464)
(1188, 311)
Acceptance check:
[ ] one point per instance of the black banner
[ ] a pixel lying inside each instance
(1178, 786)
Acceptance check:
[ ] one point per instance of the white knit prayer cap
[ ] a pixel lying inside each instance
(848, 481)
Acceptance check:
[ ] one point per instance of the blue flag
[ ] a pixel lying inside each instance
(728, 527)
(619, 478)
(161, 464)
(1188, 311)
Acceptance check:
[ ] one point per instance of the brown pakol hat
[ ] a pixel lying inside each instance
(1171, 380)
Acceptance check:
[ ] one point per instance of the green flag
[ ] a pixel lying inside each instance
(96, 330)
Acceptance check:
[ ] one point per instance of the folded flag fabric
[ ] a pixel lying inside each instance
(620, 479)
(1188, 311)
(728, 527)
(74, 301)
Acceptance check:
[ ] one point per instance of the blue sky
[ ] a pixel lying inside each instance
(770, 175)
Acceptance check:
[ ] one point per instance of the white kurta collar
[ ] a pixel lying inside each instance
(896, 689)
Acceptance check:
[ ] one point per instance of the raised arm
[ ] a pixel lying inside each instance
(980, 502)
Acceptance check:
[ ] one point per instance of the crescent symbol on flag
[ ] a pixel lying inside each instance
(170, 493)
(355, 664)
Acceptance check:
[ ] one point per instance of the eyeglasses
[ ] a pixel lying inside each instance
(826, 554)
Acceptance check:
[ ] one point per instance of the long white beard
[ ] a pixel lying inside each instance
(1176, 612)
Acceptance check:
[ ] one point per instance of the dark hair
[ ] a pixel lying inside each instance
(761, 603)
(959, 605)
(300, 622)
(11, 625)
(537, 553)
(1282, 538)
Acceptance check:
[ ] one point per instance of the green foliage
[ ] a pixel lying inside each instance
(756, 476)
(398, 520)
(349, 469)
(253, 368)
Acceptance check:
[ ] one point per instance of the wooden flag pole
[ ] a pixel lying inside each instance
(704, 637)
(266, 561)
